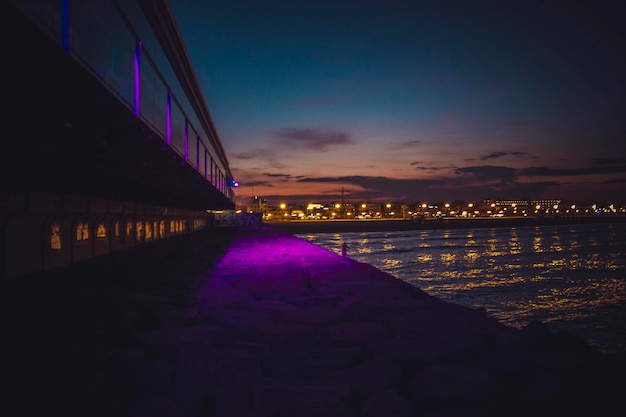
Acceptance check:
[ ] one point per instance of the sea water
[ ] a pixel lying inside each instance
(571, 278)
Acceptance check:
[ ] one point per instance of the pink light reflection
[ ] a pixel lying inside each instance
(273, 265)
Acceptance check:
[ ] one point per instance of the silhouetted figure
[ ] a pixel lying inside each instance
(344, 250)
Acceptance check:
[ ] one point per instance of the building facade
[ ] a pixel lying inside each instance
(112, 144)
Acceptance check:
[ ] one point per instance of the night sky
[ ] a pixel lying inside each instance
(415, 101)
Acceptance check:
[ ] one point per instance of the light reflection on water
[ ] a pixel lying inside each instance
(569, 277)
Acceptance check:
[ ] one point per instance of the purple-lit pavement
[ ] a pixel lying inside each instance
(282, 327)
(254, 322)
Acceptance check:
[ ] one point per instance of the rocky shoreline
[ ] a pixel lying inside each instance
(252, 321)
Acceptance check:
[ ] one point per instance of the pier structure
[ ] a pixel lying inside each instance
(110, 143)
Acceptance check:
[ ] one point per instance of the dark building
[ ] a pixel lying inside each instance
(110, 143)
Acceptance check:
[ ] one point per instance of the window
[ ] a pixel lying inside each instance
(162, 228)
(148, 227)
(138, 230)
(55, 236)
(101, 231)
(82, 231)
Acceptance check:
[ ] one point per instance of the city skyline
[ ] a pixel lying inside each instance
(408, 101)
(464, 208)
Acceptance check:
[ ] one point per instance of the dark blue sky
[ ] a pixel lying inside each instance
(415, 101)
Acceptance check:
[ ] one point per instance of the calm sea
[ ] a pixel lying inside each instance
(569, 277)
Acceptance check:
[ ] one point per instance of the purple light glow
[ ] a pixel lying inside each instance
(186, 139)
(168, 120)
(273, 267)
(138, 79)
(198, 152)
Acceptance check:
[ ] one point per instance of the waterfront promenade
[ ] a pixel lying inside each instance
(252, 321)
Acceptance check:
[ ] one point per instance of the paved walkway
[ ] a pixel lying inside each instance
(256, 322)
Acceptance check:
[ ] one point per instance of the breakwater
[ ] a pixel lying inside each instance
(254, 321)
(571, 277)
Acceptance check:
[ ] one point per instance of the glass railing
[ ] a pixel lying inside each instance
(116, 43)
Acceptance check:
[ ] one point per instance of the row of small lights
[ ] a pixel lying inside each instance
(538, 208)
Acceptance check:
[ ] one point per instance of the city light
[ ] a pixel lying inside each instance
(363, 210)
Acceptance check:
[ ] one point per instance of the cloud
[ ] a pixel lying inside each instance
(608, 161)
(508, 174)
(312, 139)
(378, 188)
(616, 181)
(242, 155)
(350, 179)
(547, 171)
(435, 168)
(267, 174)
(471, 183)
(258, 183)
(501, 154)
(490, 172)
(431, 168)
(264, 157)
(404, 145)
(257, 153)
(280, 177)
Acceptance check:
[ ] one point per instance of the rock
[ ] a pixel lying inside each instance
(155, 407)
(209, 335)
(301, 398)
(452, 381)
(369, 377)
(387, 403)
(355, 334)
(311, 362)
